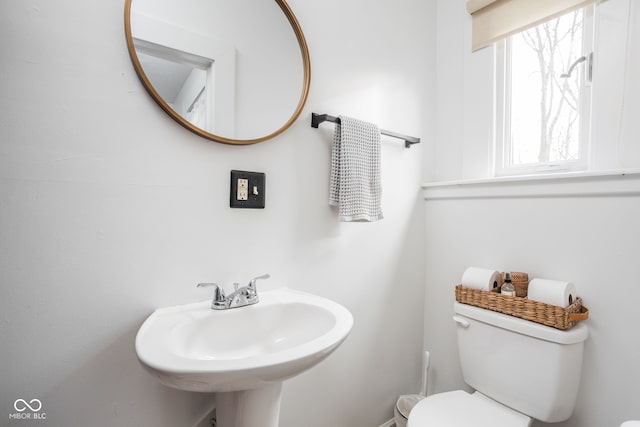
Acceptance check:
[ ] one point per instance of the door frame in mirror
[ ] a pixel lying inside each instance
(306, 65)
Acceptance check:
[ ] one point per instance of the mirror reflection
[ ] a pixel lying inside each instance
(232, 71)
(182, 86)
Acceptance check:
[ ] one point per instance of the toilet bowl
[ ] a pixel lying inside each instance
(630, 424)
(521, 371)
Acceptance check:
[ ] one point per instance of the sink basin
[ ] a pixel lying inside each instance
(191, 347)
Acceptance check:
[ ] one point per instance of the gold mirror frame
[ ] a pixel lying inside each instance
(306, 64)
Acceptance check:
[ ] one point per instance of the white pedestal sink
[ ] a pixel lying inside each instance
(242, 354)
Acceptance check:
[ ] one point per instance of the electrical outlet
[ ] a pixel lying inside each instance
(243, 189)
(247, 190)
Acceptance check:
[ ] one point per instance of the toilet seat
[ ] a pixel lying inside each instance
(461, 409)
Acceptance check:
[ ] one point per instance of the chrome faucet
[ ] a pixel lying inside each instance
(240, 297)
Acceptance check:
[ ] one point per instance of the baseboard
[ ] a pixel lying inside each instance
(390, 423)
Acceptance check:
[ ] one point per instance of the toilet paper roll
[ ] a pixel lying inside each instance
(480, 278)
(554, 292)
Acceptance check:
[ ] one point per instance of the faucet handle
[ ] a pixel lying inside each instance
(218, 295)
(252, 283)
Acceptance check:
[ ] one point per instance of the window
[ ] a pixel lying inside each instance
(543, 81)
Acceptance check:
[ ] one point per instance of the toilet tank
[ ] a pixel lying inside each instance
(529, 367)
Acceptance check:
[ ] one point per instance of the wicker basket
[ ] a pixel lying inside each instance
(546, 314)
(520, 281)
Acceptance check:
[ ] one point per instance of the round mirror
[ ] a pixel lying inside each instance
(232, 71)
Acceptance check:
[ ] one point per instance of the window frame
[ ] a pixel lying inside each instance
(502, 107)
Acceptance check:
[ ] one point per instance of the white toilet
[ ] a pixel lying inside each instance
(520, 370)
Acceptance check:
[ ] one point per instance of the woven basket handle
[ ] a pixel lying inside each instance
(577, 317)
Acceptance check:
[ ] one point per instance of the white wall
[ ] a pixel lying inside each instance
(109, 209)
(583, 230)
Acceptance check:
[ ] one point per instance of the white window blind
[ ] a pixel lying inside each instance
(494, 20)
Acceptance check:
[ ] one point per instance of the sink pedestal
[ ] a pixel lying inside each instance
(249, 408)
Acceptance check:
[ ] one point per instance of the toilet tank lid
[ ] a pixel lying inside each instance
(576, 334)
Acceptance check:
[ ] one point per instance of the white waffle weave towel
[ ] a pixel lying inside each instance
(355, 170)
